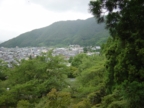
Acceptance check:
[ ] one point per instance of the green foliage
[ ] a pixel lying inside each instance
(23, 104)
(114, 100)
(95, 97)
(3, 68)
(83, 32)
(73, 72)
(3, 76)
(33, 79)
(55, 99)
(77, 60)
(91, 67)
(134, 93)
(124, 51)
(114, 82)
(82, 104)
(85, 49)
(91, 78)
(31, 83)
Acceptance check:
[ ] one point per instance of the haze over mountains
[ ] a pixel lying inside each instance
(63, 33)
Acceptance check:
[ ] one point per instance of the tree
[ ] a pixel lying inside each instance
(77, 60)
(3, 76)
(91, 78)
(55, 99)
(85, 49)
(23, 104)
(3, 68)
(125, 60)
(33, 79)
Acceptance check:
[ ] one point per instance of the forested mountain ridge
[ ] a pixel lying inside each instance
(63, 33)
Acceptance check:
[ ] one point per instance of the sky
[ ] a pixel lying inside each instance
(20, 16)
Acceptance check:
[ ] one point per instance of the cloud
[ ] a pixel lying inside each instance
(19, 16)
(5, 35)
(64, 5)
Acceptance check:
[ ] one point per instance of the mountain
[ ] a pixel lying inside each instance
(83, 32)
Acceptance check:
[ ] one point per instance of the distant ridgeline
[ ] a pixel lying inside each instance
(63, 33)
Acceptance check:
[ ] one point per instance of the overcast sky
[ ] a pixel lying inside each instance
(19, 16)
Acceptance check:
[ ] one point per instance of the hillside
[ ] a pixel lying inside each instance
(62, 33)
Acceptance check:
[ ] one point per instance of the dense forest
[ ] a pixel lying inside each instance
(113, 79)
(46, 81)
(63, 33)
(124, 53)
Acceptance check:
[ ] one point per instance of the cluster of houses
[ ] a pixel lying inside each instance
(71, 51)
(13, 55)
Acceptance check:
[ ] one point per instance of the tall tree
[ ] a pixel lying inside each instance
(125, 21)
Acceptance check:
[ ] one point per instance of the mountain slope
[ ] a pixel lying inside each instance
(63, 33)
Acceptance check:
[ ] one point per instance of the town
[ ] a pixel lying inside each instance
(15, 55)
